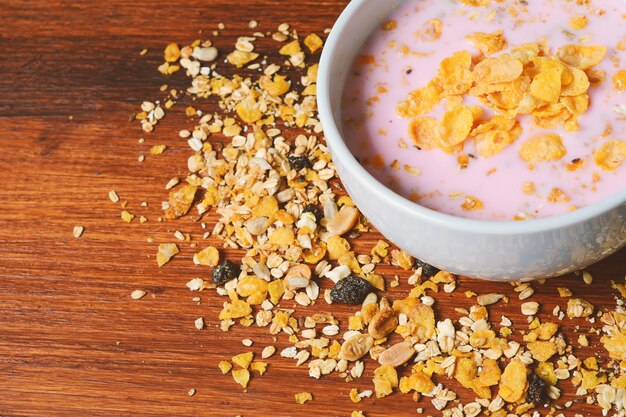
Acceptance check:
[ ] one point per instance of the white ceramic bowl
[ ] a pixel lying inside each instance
(501, 251)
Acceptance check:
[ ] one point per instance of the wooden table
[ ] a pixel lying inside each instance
(72, 341)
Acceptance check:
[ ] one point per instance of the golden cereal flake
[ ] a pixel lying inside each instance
(615, 344)
(243, 359)
(542, 351)
(455, 127)
(557, 196)
(303, 397)
(619, 80)
(476, 3)
(579, 21)
(235, 310)
(240, 58)
(354, 395)
(389, 25)
(582, 57)
(260, 367)
(543, 148)
(610, 155)
(487, 43)
(180, 201)
(157, 149)
(172, 52)
(127, 216)
(225, 367)
(313, 42)
(423, 132)
(417, 381)
(290, 48)
(165, 252)
(472, 204)
(514, 382)
(420, 101)
(385, 380)
(208, 256)
(242, 377)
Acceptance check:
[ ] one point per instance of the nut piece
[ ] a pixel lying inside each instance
(298, 277)
(488, 299)
(383, 323)
(397, 355)
(343, 221)
(356, 347)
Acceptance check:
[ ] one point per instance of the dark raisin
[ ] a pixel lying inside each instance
(314, 210)
(427, 269)
(224, 272)
(350, 290)
(536, 391)
(299, 162)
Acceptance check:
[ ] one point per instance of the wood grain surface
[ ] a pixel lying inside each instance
(72, 342)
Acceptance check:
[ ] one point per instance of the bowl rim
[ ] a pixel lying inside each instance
(339, 148)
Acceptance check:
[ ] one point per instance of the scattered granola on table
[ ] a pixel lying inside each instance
(261, 165)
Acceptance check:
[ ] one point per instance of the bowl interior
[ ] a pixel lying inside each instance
(350, 32)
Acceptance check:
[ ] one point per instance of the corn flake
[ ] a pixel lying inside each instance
(455, 127)
(421, 322)
(611, 155)
(165, 252)
(487, 43)
(208, 256)
(242, 377)
(514, 381)
(542, 148)
(582, 57)
(423, 132)
(385, 380)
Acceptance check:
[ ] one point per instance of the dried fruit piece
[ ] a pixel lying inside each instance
(536, 391)
(299, 162)
(514, 381)
(548, 147)
(226, 271)
(356, 347)
(611, 155)
(165, 252)
(351, 290)
(427, 269)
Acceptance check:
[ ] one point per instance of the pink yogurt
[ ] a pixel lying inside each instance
(374, 128)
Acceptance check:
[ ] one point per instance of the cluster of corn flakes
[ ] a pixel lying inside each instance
(528, 80)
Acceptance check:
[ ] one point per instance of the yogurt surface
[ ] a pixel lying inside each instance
(403, 55)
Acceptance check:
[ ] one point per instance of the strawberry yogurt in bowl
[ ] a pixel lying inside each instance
(485, 137)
